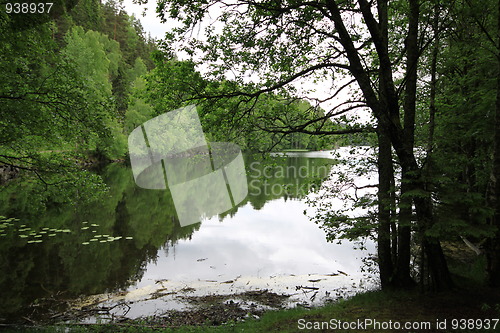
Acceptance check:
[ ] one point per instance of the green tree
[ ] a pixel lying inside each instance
(96, 59)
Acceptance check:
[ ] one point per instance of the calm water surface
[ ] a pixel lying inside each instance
(129, 244)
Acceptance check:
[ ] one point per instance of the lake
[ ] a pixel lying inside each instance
(128, 253)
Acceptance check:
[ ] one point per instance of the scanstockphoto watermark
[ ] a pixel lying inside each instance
(171, 151)
(362, 325)
(258, 170)
(390, 325)
(278, 180)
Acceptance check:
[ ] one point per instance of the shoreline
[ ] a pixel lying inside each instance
(375, 307)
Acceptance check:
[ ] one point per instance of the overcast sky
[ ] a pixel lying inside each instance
(150, 22)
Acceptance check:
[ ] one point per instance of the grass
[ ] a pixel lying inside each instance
(411, 306)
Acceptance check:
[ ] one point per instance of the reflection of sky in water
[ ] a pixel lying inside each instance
(278, 239)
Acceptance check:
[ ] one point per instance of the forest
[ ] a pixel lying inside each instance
(416, 81)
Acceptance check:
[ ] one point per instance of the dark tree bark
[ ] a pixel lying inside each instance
(385, 180)
(403, 276)
(439, 278)
(409, 108)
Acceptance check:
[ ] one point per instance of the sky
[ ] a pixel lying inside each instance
(150, 22)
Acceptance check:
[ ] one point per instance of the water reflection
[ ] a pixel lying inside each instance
(132, 237)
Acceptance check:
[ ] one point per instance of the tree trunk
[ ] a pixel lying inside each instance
(403, 277)
(439, 278)
(385, 180)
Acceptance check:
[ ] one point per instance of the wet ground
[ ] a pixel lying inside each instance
(215, 302)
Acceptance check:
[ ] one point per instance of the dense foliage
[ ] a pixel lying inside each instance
(73, 86)
(65, 84)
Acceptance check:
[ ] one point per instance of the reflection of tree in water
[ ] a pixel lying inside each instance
(272, 178)
(70, 264)
(62, 265)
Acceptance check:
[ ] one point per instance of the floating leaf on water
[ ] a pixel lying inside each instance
(45, 228)
(94, 225)
(52, 235)
(103, 241)
(105, 235)
(129, 237)
(85, 243)
(94, 230)
(65, 230)
(23, 225)
(94, 240)
(23, 236)
(98, 236)
(43, 232)
(38, 236)
(38, 241)
(85, 228)
(3, 235)
(31, 241)
(85, 222)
